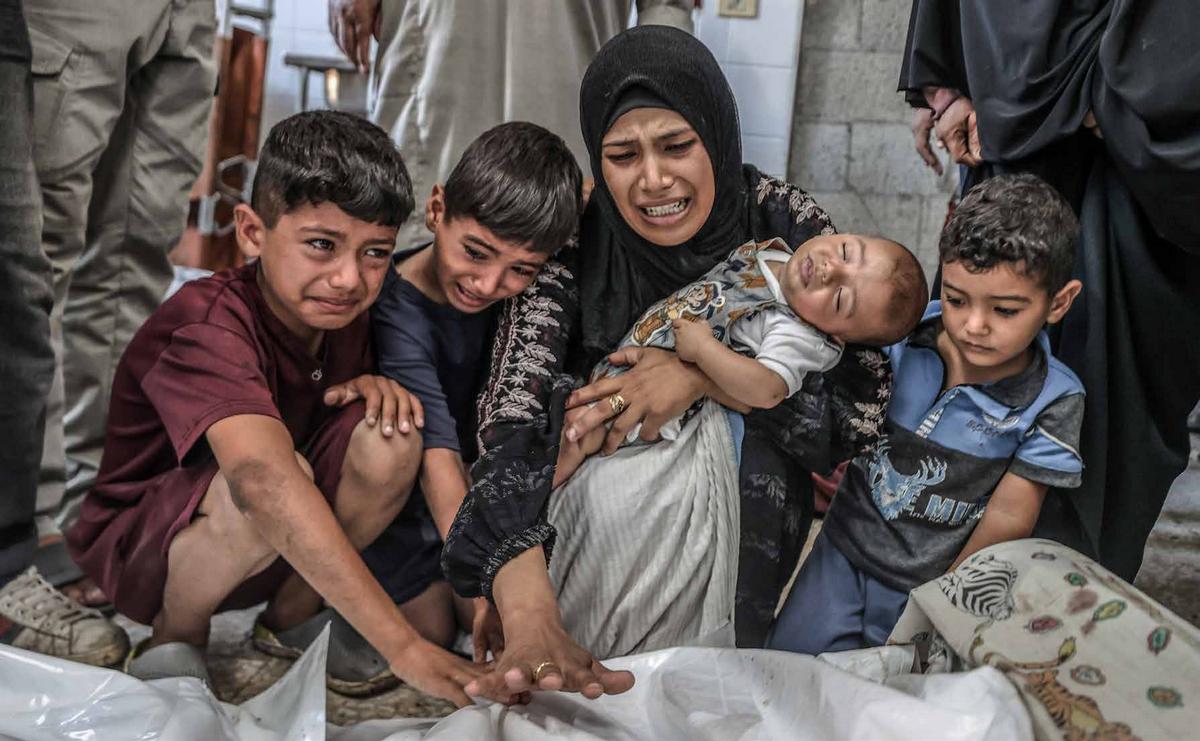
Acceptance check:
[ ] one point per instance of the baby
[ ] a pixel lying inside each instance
(759, 321)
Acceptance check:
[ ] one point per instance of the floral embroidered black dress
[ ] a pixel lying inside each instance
(537, 360)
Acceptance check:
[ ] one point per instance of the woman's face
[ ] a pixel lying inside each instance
(659, 175)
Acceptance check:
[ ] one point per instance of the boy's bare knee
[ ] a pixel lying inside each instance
(381, 463)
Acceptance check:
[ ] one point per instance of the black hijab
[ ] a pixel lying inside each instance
(622, 274)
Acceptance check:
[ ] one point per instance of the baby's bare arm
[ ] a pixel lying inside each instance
(743, 379)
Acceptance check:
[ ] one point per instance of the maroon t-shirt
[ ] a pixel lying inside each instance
(214, 350)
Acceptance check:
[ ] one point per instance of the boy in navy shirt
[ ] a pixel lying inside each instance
(509, 204)
(983, 419)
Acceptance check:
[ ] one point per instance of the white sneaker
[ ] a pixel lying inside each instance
(37, 617)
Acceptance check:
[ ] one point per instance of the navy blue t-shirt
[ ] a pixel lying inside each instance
(435, 351)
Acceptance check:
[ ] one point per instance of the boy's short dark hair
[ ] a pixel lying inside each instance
(520, 182)
(1018, 220)
(906, 305)
(333, 157)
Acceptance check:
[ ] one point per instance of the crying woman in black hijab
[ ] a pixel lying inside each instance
(672, 199)
(661, 128)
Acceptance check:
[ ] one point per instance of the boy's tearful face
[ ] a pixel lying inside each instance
(472, 267)
(475, 268)
(320, 267)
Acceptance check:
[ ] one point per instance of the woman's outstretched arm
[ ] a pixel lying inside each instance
(538, 653)
(521, 411)
(500, 541)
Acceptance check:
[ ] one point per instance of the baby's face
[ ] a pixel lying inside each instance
(842, 284)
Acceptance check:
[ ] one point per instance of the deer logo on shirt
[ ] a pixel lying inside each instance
(895, 492)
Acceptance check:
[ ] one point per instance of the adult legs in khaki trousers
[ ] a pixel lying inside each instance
(122, 93)
(448, 70)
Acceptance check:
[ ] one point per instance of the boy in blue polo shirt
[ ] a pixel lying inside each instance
(983, 419)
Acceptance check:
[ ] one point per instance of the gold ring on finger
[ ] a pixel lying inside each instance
(537, 671)
(618, 403)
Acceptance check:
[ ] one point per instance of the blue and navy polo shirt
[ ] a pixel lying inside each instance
(907, 506)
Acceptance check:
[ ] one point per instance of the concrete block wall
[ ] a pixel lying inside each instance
(851, 144)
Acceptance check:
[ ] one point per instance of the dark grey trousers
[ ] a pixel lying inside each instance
(26, 360)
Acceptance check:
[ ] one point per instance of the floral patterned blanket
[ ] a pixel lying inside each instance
(1093, 657)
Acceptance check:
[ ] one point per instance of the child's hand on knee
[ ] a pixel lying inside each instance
(388, 404)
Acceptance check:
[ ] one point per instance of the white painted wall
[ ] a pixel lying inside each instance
(299, 27)
(759, 56)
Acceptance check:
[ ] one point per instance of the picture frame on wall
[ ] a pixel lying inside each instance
(738, 8)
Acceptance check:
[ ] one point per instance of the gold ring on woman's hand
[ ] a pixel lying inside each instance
(537, 671)
(618, 403)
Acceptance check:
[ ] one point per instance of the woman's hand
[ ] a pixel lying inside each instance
(922, 126)
(353, 23)
(538, 644)
(538, 653)
(573, 452)
(958, 130)
(657, 388)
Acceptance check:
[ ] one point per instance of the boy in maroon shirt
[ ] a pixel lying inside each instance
(250, 453)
